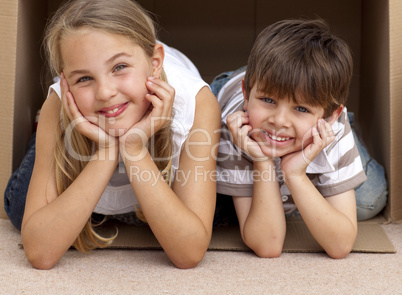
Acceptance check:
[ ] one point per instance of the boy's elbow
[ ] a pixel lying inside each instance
(264, 249)
(341, 251)
(339, 254)
(268, 251)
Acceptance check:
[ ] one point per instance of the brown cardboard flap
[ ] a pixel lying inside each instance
(371, 238)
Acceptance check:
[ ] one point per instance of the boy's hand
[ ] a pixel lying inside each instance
(82, 124)
(295, 164)
(159, 113)
(239, 129)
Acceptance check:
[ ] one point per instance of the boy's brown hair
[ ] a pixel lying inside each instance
(303, 61)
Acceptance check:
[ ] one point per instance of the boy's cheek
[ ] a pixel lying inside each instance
(307, 140)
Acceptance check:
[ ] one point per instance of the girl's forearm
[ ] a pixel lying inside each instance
(178, 229)
(51, 231)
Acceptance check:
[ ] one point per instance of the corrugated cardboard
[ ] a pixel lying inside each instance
(371, 238)
(217, 36)
(8, 45)
(381, 91)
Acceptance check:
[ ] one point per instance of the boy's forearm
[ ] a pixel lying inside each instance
(265, 228)
(332, 229)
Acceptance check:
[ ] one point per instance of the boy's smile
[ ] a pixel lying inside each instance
(280, 126)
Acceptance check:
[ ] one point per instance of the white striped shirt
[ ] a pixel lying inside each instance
(335, 170)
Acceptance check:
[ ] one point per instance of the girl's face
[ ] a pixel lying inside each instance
(280, 126)
(106, 74)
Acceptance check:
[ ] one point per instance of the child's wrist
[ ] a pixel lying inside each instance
(294, 179)
(263, 164)
(133, 153)
(109, 153)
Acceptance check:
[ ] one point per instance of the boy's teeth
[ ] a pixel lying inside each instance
(277, 138)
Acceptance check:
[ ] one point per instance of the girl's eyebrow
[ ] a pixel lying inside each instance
(110, 60)
(117, 55)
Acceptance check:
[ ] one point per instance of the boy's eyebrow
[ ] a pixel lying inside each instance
(110, 60)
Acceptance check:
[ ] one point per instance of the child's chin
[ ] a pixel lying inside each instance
(116, 132)
(271, 153)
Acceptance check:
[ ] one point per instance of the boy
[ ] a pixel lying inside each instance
(290, 143)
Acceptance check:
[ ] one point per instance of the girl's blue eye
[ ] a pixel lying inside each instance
(119, 67)
(302, 109)
(83, 79)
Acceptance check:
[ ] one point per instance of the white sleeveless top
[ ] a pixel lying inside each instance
(183, 76)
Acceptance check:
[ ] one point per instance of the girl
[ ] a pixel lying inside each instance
(132, 127)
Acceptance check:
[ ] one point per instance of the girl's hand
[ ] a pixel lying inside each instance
(295, 164)
(161, 97)
(89, 129)
(239, 129)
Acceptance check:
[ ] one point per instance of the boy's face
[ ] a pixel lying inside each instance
(280, 126)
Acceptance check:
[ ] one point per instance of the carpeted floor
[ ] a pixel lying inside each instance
(221, 272)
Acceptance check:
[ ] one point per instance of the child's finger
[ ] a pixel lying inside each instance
(237, 119)
(64, 97)
(162, 91)
(327, 134)
(161, 100)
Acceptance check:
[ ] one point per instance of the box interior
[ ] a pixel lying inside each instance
(217, 36)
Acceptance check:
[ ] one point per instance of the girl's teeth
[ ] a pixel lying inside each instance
(112, 111)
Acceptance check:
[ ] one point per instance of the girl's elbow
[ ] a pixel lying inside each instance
(39, 258)
(188, 261)
(190, 255)
(38, 261)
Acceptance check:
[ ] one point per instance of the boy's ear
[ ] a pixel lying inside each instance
(157, 60)
(245, 97)
(335, 115)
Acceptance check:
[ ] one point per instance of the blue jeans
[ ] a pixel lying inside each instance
(17, 187)
(371, 195)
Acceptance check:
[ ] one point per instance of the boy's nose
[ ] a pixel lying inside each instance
(105, 91)
(280, 118)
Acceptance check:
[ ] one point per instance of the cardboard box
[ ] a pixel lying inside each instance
(217, 36)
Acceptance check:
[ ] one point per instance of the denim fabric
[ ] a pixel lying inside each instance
(371, 196)
(221, 79)
(17, 187)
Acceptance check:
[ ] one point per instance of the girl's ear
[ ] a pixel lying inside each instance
(335, 115)
(245, 97)
(157, 60)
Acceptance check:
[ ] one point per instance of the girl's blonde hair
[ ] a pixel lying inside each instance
(122, 17)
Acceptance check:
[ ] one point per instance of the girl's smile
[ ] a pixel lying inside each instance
(107, 75)
(113, 111)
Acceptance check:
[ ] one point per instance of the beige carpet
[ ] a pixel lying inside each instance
(221, 272)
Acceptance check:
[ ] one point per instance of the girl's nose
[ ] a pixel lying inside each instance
(106, 90)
